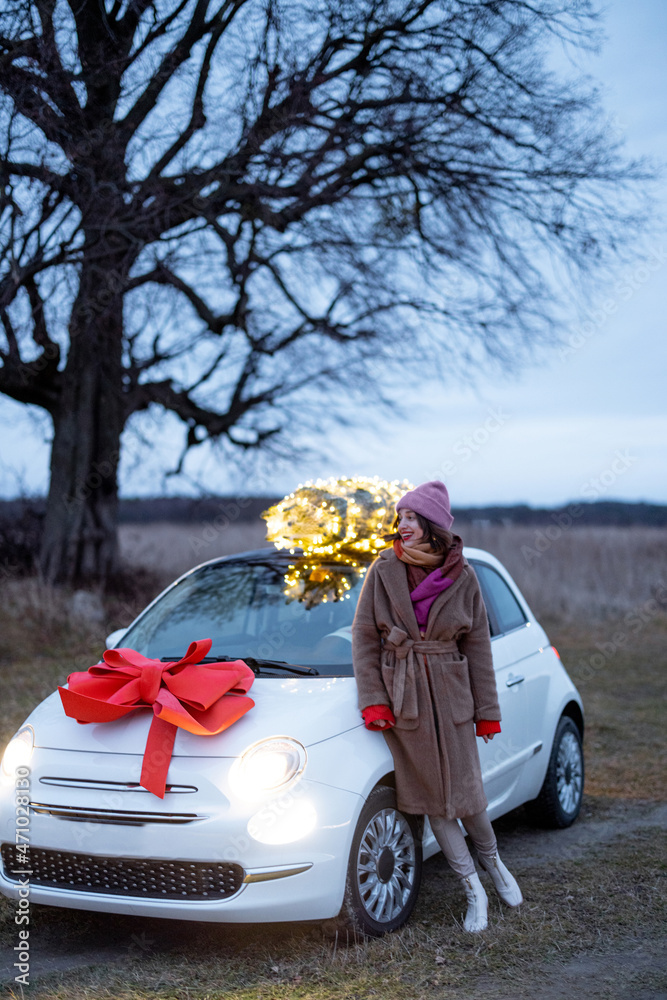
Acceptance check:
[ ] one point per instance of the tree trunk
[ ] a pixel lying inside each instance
(79, 544)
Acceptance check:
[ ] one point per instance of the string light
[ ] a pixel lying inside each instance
(336, 523)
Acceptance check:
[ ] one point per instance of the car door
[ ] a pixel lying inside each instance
(513, 644)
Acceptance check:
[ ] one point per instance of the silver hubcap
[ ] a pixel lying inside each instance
(569, 773)
(386, 865)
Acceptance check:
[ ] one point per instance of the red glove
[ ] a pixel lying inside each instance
(487, 726)
(378, 717)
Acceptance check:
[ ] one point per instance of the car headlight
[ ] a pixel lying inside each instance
(18, 752)
(269, 766)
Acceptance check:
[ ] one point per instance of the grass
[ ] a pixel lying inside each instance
(172, 549)
(580, 573)
(594, 912)
(624, 689)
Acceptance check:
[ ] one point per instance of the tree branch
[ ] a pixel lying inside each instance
(161, 275)
(197, 117)
(38, 172)
(35, 382)
(40, 333)
(23, 89)
(196, 29)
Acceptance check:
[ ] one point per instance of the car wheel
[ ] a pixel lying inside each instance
(384, 870)
(559, 801)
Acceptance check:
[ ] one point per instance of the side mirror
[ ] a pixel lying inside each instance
(113, 640)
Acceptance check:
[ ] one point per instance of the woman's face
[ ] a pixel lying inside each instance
(409, 528)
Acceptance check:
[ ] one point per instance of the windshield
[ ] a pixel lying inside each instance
(241, 606)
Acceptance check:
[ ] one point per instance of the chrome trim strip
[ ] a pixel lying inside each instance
(269, 874)
(110, 786)
(120, 817)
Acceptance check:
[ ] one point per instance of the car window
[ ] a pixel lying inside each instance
(243, 608)
(505, 612)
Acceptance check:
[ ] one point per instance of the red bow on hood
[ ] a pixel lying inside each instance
(203, 698)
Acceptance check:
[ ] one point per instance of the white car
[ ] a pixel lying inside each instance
(289, 814)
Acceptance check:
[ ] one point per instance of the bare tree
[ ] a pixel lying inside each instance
(220, 207)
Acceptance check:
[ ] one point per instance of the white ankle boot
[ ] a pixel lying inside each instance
(505, 883)
(476, 919)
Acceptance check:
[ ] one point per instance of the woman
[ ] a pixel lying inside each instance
(422, 659)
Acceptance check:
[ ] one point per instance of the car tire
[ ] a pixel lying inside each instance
(384, 870)
(559, 801)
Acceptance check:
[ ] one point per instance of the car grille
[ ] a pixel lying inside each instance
(142, 878)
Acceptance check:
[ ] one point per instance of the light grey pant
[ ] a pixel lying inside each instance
(450, 837)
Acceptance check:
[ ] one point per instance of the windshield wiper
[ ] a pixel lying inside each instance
(293, 668)
(253, 663)
(204, 659)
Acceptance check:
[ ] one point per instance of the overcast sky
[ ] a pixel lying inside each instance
(590, 422)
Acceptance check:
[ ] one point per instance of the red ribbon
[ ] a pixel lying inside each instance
(203, 698)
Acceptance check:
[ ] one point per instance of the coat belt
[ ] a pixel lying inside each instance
(405, 649)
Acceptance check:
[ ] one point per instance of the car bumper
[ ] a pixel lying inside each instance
(289, 869)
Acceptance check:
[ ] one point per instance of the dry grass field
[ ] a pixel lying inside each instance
(593, 921)
(171, 549)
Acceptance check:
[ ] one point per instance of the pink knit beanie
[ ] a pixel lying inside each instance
(431, 500)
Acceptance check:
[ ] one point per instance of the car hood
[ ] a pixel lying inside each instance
(310, 709)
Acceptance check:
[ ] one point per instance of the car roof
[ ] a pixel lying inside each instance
(286, 555)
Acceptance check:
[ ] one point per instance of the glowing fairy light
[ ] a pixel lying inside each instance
(335, 522)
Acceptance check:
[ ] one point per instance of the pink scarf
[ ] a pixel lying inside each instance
(437, 581)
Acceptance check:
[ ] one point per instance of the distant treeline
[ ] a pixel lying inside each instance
(600, 513)
(189, 510)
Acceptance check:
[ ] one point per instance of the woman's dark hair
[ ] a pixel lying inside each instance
(438, 538)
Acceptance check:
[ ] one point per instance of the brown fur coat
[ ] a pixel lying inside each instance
(433, 744)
